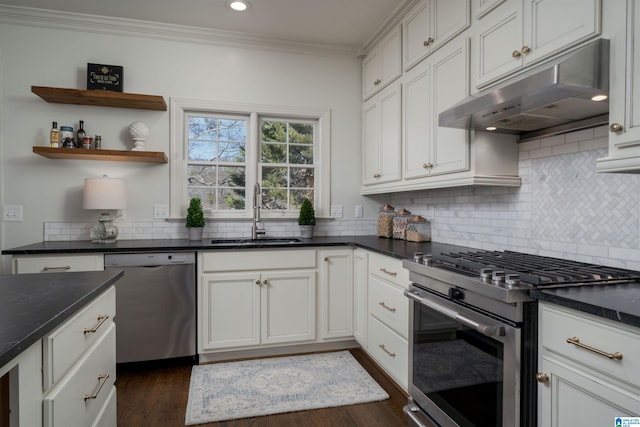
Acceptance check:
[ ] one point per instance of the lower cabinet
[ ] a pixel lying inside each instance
(57, 264)
(274, 304)
(360, 292)
(79, 368)
(588, 368)
(336, 278)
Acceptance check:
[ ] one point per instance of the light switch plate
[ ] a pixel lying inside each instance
(358, 213)
(160, 211)
(12, 213)
(336, 211)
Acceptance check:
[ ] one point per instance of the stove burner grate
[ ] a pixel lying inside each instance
(532, 269)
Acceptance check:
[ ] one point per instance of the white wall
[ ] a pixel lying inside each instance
(44, 55)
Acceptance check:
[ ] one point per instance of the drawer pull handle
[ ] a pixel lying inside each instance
(386, 351)
(101, 319)
(102, 379)
(391, 309)
(575, 341)
(64, 268)
(390, 273)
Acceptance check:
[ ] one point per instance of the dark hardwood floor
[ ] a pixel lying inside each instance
(156, 395)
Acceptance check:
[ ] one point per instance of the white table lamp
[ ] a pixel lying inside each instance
(104, 194)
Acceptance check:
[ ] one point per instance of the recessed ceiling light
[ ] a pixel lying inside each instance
(491, 128)
(599, 98)
(238, 5)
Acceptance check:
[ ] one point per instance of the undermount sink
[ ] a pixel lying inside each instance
(256, 242)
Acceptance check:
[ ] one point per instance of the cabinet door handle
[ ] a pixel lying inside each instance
(102, 379)
(383, 348)
(390, 273)
(383, 305)
(516, 54)
(613, 356)
(101, 319)
(427, 42)
(615, 127)
(542, 377)
(525, 50)
(63, 268)
(258, 282)
(265, 282)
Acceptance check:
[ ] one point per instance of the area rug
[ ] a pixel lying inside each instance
(225, 391)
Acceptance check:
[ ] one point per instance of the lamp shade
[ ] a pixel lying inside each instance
(104, 193)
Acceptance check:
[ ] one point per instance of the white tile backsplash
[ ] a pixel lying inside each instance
(563, 209)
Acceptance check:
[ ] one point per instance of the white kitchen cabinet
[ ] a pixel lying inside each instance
(519, 33)
(382, 65)
(360, 298)
(576, 385)
(57, 263)
(435, 84)
(24, 375)
(382, 137)
(429, 25)
(336, 278)
(623, 30)
(79, 367)
(254, 298)
(388, 316)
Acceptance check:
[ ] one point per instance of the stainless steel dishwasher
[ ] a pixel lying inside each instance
(155, 305)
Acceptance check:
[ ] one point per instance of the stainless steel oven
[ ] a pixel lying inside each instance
(473, 333)
(477, 380)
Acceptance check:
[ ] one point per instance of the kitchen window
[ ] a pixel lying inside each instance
(220, 150)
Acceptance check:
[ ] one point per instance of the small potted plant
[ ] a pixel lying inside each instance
(306, 219)
(195, 219)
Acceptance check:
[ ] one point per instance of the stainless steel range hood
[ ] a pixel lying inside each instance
(552, 99)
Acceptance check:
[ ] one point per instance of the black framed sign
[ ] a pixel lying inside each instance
(104, 77)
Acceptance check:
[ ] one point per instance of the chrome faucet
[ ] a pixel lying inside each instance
(257, 229)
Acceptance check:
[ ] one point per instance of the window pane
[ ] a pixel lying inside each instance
(302, 178)
(301, 154)
(232, 199)
(298, 195)
(274, 198)
(201, 176)
(274, 131)
(202, 150)
(274, 177)
(274, 153)
(206, 195)
(203, 128)
(232, 152)
(232, 130)
(232, 177)
(301, 133)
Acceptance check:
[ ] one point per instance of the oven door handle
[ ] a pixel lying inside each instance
(487, 330)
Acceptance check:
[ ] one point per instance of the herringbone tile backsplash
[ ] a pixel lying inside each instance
(563, 208)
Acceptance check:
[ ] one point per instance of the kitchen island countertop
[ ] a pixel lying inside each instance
(32, 305)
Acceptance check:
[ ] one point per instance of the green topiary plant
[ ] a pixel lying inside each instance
(195, 216)
(307, 213)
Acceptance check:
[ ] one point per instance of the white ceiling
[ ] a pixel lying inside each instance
(348, 23)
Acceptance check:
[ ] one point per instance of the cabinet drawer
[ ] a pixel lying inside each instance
(390, 350)
(247, 260)
(57, 264)
(560, 324)
(62, 348)
(389, 269)
(108, 416)
(389, 305)
(68, 404)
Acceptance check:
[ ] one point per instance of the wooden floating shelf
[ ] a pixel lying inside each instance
(91, 154)
(102, 98)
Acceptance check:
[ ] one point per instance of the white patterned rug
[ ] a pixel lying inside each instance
(224, 391)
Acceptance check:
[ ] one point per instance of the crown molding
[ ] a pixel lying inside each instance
(390, 21)
(19, 15)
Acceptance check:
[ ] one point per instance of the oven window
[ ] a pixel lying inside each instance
(458, 369)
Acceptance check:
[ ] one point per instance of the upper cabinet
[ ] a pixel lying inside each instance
(518, 33)
(431, 24)
(624, 90)
(382, 65)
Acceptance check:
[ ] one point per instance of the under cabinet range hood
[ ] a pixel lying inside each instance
(552, 99)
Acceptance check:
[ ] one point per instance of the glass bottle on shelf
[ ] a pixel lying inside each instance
(80, 133)
(54, 136)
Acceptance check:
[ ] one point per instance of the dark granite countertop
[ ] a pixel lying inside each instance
(32, 305)
(395, 248)
(615, 302)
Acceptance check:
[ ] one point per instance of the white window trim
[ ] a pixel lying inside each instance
(178, 156)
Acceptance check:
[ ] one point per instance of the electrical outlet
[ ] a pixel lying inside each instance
(160, 211)
(336, 211)
(358, 213)
(12, 213)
